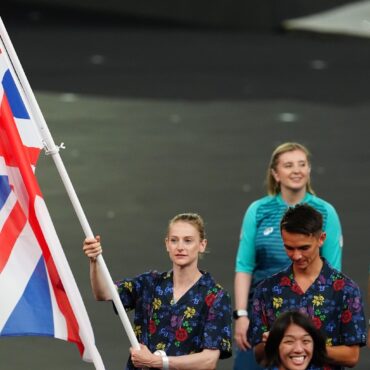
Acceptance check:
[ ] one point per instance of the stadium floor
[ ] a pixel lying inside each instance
(160, 119)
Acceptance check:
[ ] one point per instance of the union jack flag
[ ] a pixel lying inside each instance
(39, 295)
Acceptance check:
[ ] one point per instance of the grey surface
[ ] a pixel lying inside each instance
(174, 120)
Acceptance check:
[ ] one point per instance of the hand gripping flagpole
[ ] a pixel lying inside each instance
(53, 150)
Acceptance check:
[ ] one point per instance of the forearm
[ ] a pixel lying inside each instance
(205, 360)
(241, 288)
(344, 355)
(99, 285)
(242, 285)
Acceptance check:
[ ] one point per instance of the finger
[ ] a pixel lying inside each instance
(239, 342)
(90, 240)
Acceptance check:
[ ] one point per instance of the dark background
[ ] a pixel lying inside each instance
(163, 113)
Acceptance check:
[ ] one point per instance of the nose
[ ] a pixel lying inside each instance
(296, 255)
(180, 246)
(298, 346)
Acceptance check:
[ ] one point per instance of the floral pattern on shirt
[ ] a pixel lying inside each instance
(200, 319)
(333, 302)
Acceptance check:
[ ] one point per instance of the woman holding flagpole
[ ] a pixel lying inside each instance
(182, 317)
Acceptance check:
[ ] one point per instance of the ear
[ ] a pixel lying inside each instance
(166, 243)
(203, 245)
(275, 175)
(322, 239)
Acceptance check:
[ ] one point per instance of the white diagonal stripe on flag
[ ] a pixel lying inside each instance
(60, 325)
(7, 208)
(30, 137)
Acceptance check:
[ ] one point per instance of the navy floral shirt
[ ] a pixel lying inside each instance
(333, 302)
(200, 319)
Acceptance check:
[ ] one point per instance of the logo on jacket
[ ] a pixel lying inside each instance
(268, 230)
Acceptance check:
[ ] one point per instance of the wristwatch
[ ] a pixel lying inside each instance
(239, 313)
(165, 361)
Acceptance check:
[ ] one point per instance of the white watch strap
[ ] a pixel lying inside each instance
(242, 312)
(165, 361)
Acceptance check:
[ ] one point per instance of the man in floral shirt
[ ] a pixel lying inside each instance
(310, 285)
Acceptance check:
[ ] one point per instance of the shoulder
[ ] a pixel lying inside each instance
(212, 286)
(151, 277)
(264, 201)
(263, 206)
(339, 279)
(277, 278)
(320, 204)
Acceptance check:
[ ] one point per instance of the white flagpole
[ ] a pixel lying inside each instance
(53, 150)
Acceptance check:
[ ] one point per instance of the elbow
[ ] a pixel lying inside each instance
(211, 364)
(213, 367)
(352, 362)
(354, 358)
(101, 297)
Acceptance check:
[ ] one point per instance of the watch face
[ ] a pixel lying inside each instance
(236, 314)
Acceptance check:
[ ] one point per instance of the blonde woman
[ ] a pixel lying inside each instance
(182, 317)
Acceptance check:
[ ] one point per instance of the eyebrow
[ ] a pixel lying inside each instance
(294, 337)
(299, 247)
(300, 161)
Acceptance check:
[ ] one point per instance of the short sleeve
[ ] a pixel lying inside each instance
(333, 245)
(246, 255)
(258, 320)
(127, 292)
(130, 290)
(217, 328)
(352, 320)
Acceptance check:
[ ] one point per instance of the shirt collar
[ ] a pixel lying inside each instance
(205, 279)
(306, 199)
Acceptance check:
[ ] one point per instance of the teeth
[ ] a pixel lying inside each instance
(297, 360)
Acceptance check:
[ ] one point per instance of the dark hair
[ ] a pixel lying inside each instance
(278, 329)
(302, 219)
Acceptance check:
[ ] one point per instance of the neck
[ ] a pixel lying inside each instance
(311, 272)
(292, 197)
(185, 276)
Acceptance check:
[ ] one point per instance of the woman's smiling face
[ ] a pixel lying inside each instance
(295, 349)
